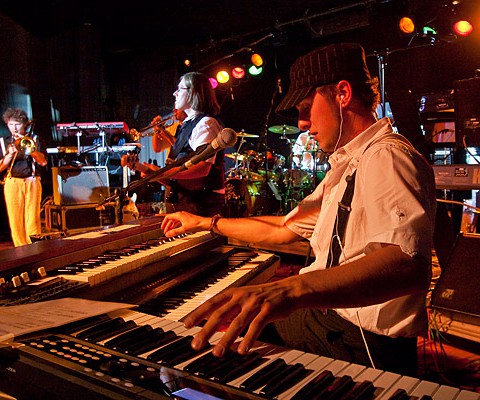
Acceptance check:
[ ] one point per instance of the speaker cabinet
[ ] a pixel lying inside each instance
(458, 286)
(80, 185)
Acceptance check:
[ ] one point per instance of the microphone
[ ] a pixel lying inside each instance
(226, 138)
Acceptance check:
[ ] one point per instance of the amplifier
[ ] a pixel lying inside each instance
(457, 176)
(67, 218)
(83, 185)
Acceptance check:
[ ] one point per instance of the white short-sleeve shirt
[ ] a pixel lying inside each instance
(393, 203)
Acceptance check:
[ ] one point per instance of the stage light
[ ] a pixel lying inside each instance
(238, 72)
(256, 59)
(213, 82)
(255, 71)
(462, 28)
(406, 25)
(187, 62)
(223, 76)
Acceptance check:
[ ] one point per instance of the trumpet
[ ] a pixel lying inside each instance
(156, 126)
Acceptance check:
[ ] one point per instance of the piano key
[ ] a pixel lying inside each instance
(240, 366)
(137, 259)
(121, 342)
(406, 383)
(231, 279)
(319, 364)
(320, 381)
(361, 391)
(399, 394)
(286, 378)
(263, 376)
(351, 379)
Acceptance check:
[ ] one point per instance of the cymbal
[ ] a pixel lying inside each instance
(284, 129)
(234, 156)
(247, 135)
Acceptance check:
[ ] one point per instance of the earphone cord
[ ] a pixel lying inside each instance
(341, 128)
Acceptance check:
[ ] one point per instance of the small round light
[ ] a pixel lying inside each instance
(222, 76)
(253, 70)
(463, 28)
(406, 25)
(238, 72)
(213, 82)
(256, 59)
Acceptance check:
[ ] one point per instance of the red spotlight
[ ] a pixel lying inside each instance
(238, 72)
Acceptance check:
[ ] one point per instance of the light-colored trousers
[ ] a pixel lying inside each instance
(22, 198)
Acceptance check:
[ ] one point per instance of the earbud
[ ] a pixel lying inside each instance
(341, 98)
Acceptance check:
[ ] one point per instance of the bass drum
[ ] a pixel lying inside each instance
(242, 197)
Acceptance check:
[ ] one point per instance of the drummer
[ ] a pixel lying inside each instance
(306, 154)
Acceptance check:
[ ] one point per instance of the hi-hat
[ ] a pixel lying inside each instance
(284, 129)
(247, 135)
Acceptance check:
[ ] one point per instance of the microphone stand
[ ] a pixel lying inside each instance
(265, 141)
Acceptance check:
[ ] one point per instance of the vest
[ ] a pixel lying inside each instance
(216, 178)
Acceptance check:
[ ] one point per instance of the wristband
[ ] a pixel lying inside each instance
(213, 223)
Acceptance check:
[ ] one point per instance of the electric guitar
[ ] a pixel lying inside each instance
(131, 160)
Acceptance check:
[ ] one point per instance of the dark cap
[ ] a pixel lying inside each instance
(324, 66)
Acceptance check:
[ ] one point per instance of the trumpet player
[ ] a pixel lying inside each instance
(164, 137)
(21, 163)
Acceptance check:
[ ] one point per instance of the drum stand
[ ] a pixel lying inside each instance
(235, 171)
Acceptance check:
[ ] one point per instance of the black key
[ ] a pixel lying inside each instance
(197, 365)
(111, 323)
(264, 375)
(337, 389)
(286, 379)
(215, 364)
(107, 333)
(361, 391)
(320, 382)
(121, 341)
(166, 351)
(241, 366)
(157, 339)
(400, 394)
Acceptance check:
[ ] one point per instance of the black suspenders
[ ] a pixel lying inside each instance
(343, 212)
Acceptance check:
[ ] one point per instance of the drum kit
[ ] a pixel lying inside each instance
(266, 183)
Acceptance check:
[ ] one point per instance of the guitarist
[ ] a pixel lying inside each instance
(201, 188)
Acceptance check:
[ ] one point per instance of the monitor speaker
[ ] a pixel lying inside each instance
(82, 185)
